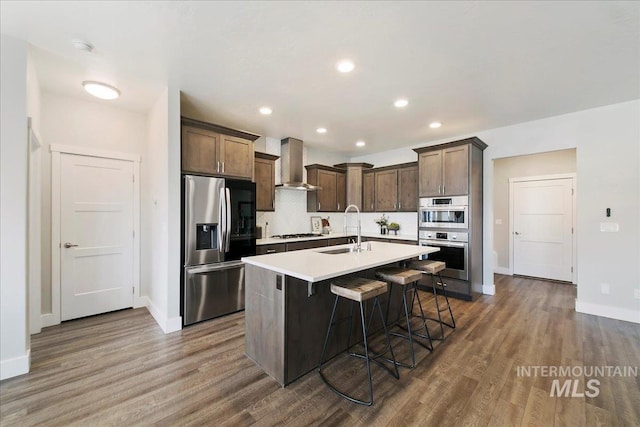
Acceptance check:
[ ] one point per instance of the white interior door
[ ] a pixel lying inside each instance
(96, 230)
(543, 228)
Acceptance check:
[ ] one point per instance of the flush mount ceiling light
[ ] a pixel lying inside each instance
(82, 45)
(401, 103)
(101, 90)
(435, 125)
(321, 130)
(265, 110)
(360, 144)
(345, 66)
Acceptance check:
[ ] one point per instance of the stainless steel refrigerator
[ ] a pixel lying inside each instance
(219, 227)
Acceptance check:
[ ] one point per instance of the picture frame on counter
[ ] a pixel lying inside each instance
(316, 224)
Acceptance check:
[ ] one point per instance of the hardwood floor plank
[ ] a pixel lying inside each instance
(121, 369)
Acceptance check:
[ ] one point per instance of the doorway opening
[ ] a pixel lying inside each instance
(545, 194)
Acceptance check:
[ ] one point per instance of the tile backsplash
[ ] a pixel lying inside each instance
(291, 216)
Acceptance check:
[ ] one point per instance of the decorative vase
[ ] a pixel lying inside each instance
(383, 229)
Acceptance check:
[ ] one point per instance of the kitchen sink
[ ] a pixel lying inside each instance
(337, 251)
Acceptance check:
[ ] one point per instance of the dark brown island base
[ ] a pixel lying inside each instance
(289, 302)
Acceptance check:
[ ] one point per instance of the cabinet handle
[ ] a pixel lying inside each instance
(442, 188)
(222, 167)
(395, 206)
(338, 206)
(400, 205)
(218, 166)
(318, 205)
(271, 251)
(371, 206)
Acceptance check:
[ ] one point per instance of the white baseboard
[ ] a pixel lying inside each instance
(489, 289)
(608, 311)
(167, 325)
(48, 320)
(502, 270)
(10, 368)
(139, 302)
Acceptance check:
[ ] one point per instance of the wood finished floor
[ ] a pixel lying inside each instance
(120, 369)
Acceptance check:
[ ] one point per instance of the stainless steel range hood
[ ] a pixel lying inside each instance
(291, 166)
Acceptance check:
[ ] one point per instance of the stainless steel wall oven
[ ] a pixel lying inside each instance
(454, 251)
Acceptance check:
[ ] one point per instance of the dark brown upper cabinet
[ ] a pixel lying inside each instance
(331, 197)
(265, 179)
(391, 188)
(444, 169)
(209, 149)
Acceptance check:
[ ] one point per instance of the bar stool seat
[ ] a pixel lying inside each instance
(359, 289)
(432, 268)
(408, 279)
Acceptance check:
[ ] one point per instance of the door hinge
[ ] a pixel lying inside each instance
(571, 230)
(572, 269)
(134, 233)
(133, 290)
(572, 191)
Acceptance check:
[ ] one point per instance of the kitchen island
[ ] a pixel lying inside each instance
(288, 302)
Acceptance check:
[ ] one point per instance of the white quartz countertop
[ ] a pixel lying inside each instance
(313, 266)
(272, 240)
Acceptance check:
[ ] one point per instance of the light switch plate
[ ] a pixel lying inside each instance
(609, 227)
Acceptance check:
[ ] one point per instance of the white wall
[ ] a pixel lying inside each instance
(607, 142)
(34, 228)
(551, 163)
(14, 334)
(154, 210)
(94, 124)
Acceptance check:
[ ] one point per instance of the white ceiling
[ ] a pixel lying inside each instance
(470, 65)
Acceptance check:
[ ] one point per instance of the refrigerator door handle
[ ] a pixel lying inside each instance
(227, 219)
(222, 226)
(188, 183)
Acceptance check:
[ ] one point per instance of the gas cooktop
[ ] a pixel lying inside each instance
(293, 236)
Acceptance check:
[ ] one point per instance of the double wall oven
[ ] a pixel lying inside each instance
(444, 223)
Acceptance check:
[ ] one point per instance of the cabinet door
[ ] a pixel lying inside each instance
(265, 184)
(455, 171)
(368, 192)
(199, 150)
(236, 156)
(430, 164)
(386, 190)
(327, 198)
(341, 191)
(408, 189)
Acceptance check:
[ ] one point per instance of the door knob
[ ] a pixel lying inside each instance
(69, 245)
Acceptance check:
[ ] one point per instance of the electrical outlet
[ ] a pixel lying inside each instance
(636, 293)
(605, 288)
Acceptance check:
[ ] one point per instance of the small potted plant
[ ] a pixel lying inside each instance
(394, 226)
(382, 222)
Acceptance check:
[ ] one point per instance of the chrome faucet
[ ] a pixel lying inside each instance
(358, 246)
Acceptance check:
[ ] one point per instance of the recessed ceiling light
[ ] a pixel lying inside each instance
(321, 130)
(360, 144)
(101, 90)
(345, 66)
(265, 110)
(401, 103)
(435, 125)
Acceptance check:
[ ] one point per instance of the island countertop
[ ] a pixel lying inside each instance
(312, 265)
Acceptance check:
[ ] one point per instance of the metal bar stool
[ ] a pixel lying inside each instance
(407, 279)
(432, 268)
(357, 289)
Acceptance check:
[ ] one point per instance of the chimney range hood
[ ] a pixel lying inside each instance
(291, 166)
